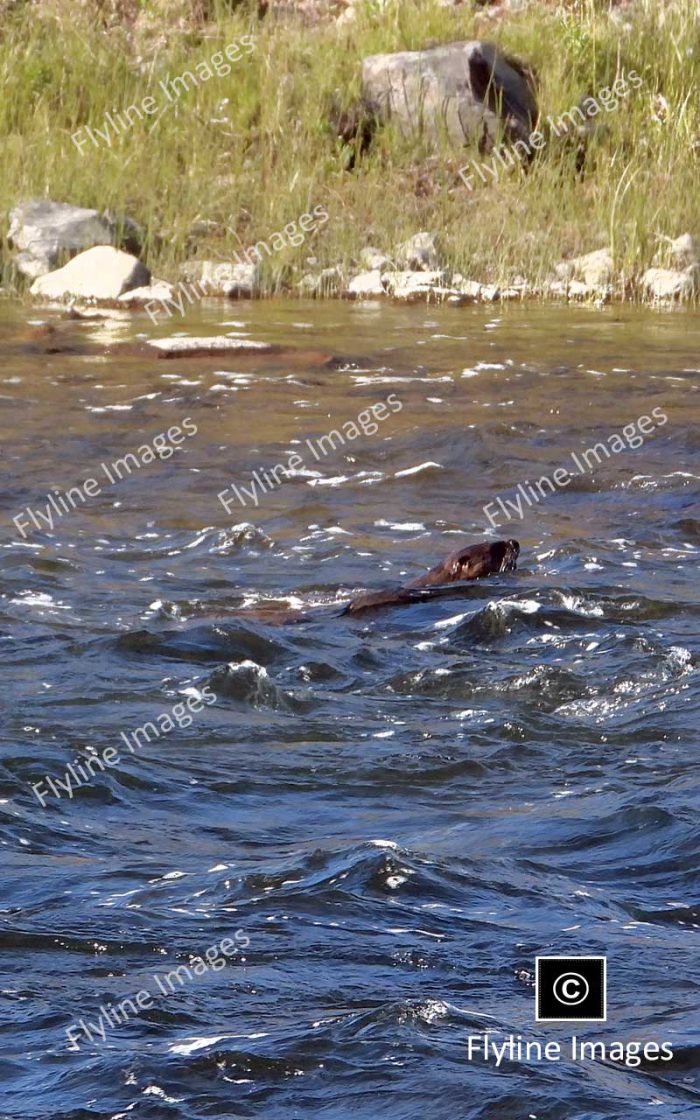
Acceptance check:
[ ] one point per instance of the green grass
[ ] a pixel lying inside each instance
(272, 155)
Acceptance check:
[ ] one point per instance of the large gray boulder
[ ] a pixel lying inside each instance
(101, 273)
(466, 88)
(45, 233)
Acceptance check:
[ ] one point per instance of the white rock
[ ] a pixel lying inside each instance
(327, 282)
(330, 280)
(469, 288)
(669, 283)
(595, 269)
(183, 346)
(367, 285)
(99, 273)
(556, 288)
(682, 251)
(578, 290)
(223, 278)
(441, 294)
(156, 290)
(490, 293)
(419, 252)
(410, 285)
(374, 259)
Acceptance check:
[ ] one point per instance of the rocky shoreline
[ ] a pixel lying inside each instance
(469, 95)
(100, 269)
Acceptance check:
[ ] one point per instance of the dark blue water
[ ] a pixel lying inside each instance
(390, 817)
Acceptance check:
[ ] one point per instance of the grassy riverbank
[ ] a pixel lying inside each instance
(252, 151)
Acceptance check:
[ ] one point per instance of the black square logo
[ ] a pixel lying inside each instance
(570, 988)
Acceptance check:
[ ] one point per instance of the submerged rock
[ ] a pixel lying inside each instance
(468, 89)
(45, 232)
(183, 346)
(101, 273)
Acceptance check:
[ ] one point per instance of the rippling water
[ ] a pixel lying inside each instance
(398, 812)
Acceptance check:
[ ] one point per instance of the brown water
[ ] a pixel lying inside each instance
(401, 810)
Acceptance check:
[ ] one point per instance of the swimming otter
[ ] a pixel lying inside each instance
(472, 562)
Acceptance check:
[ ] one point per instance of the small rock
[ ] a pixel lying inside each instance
(45, 232)
(373, 259)
(182, 346)
(668, 283)
(595, 269)
(411, 285)
(327, 282)
(445, 295)
(419, 252)
(157, 289)
(578, 290)
(99, 273)
(367, 285)
(681, 252)
(330, 281)
(469, 288)
(237, 280)
(489, 293)
(557, 288)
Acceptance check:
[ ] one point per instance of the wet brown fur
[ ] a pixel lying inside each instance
(472, 562)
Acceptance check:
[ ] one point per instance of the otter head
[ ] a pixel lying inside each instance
(479, 560)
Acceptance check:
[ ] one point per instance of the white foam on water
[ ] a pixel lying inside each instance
(400, 526)
(184, 1049)
(429, 465)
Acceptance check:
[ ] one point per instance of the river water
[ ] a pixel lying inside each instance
(390, 816)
